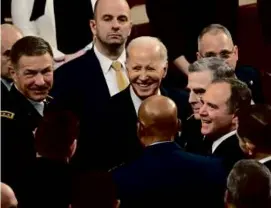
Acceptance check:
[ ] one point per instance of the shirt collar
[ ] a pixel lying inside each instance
(7, 83)
(136, 100)
(221, 139)
(106, 63)
(264, 160)
(159, 143)
(39, 106)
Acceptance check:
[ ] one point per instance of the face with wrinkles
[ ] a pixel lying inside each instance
(146, 70)
(33, 76)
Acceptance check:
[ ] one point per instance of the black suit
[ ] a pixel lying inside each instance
(252, 78)
(165, 176)
(120, 121)
(53, 178)
(18, 152)
(81, 87)
(4, 95)
(230, 151)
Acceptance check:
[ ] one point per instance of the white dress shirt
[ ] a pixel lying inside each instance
(264, 160)
(136, 100)
(7, 84)
(39, 106)
(221, 139)
(109, 72)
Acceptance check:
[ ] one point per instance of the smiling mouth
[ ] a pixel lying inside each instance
(203, 121)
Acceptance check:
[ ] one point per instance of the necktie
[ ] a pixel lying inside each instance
(121, 81)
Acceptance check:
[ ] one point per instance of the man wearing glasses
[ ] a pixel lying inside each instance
(215, 41)
(9, 35)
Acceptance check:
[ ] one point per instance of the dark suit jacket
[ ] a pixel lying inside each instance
(165, 176)
(4, 95)
(252, 78)
(52, 187)
(230, 151)
(120, 121)
(81, 87)
(18, 151)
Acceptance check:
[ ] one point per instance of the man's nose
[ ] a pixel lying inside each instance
(203, 111)
(39, 79)
(143, 76)
(192, 97)
(115, 24)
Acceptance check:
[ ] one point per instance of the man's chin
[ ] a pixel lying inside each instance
(196, 116)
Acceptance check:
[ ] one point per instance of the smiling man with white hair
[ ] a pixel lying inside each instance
(146, 66)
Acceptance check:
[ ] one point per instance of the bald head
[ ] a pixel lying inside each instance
(8, 199)
(147, 44)
(9, 35)
(158, 119)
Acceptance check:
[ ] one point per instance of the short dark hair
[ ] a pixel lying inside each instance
(240, 97)
(29, 46)
(56, 133)
(255, 125)
(219, 68)
(249, 185)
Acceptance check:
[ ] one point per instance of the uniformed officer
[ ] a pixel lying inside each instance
(32, 73)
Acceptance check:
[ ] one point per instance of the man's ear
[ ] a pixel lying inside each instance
(93, 27)
(131, 27)
(198, 56)
(73, 148)
(12, 73)
(235, 51)
(165, 70)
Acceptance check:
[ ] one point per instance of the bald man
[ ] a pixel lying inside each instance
(85, 84)
(9, 35)
(8, 198)
(146, 66)
(164, 175)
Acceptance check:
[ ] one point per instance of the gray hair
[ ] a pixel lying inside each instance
(149, 40)
(214, 29)
(249, 185)
(218, 67)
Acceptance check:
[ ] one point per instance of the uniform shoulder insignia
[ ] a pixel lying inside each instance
(7, 114)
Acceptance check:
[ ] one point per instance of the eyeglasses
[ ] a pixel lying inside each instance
(6, 53)
(224, 54)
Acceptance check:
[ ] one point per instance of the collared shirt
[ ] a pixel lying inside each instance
(136, 100)
(109, 72)
(264, 160)
(221, 139)
(39, 106)
(7, 84)
(159, 143)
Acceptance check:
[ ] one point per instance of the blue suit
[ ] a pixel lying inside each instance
(166, 176)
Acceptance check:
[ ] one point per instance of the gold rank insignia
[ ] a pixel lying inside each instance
(7, 114)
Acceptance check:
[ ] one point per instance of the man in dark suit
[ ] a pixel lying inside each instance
(85, 84)
(254, 133)
(201, 74)
(55, 142)
(248, 185)
(32, 72)
(9, 35)
(164, 175)
(219, 119)
(216, 40)
(146, 66)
